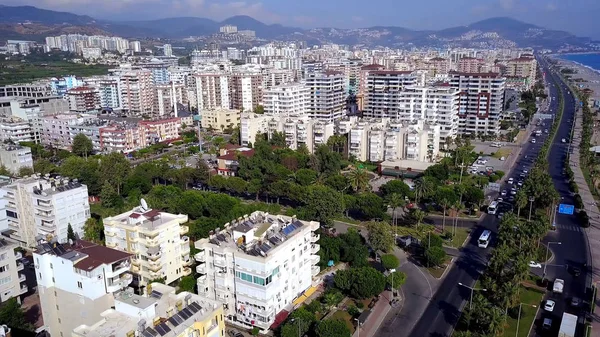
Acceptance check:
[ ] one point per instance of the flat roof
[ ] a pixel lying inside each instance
(149, 219)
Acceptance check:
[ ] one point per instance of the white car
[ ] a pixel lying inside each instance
(503, 193)
(513, 192)
(534, 264)
(510, 180)
(564, 140)
(533, 141)
(549, 305)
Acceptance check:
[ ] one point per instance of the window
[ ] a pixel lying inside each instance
(3, 269)
(51, 267)
(57, 307)
(3, 256)
(79, 285)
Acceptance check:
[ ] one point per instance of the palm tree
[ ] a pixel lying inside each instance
(395, 201)
(520, 201)
(419, 188)
(359, 179)
(445, 203)
(419, 216)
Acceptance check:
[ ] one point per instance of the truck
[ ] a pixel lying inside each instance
(567, 325)
(558, 286)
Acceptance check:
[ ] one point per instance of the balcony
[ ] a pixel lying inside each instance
(314, 226)
(23, 289)
(187, 262)
(110, 233)
(185, 239)
(314, 259)
(187, 271)
(154, 266)
(126, 279)
(22, 278)
(200, 257)
(119, 269)
(111, 244)
(314, 237)
(201, 268)
(314, 248)
(20, 266)
(135, 269)
(183, 230)
(315, 270)
(18, 255)
(154, 256)
(202, 279)
(155, 274)
(185, 249)
(152, 241)
(220, 262)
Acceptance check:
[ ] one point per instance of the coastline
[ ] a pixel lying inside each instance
(590, 77)
(574, 53)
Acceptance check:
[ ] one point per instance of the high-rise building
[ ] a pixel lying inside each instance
(83, 99)
(13, 281)
(108, 90)
(15, 157)
(161, 312)
(137, 91)
(257, 266)
(228, 29)
(44, 208)
(287, 99)
(327, 97)
(167, 96)
(157, 239)
(135, 46)
(167, 50)
(481, 102)
(77, 281)
(470, 65)
(384, 92)
(212, 91)
(245, 91)
(220, 119)
(524, 67)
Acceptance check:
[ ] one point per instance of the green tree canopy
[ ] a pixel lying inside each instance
(332, 328)
(390, 261)
(381, 236)
(395, 186)
(396, 279)
(13, 315)
(363, 282)
(93, 231)
(82, 145)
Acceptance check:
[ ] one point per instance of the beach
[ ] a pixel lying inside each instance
(590, 78)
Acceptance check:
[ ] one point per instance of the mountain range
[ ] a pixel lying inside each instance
(31, 23)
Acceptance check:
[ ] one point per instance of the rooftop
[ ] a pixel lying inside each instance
(148, 219)
(163, 313)
(256, 234)
(235, 153)
(84, 254)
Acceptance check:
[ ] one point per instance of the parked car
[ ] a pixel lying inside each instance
(549, 305)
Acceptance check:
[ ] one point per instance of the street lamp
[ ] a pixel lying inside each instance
(548, 251)
(392, 271)
(531, 200)
(519, 317)
(357, 327)
(472, 290)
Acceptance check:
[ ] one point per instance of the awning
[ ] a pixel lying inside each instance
(280, 318)
(304, 296)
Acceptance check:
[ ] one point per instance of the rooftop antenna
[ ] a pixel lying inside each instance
(144, 204)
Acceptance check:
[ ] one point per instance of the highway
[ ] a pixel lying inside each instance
(444, 309)
(573, 250)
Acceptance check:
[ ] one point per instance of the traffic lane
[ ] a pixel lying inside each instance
(444, 310)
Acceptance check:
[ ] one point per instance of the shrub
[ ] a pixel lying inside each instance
(578, 201)
(584, 219)
(389, 261)
(435, 256)
(573, 186)
(353, 311)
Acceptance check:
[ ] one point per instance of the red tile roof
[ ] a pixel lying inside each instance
(233, 155)
(151, 213)
(135, 215)
(373, 67)
(97, 255)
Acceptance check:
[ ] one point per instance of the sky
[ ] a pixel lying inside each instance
(580, 17)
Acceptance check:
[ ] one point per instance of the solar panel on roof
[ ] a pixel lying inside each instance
(149, 332)
(156, 294)
(162, 329)
(173, 321)
(195, 307)
(179, 319)
(184, 314)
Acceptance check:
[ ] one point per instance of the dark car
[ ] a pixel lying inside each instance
(575, 271)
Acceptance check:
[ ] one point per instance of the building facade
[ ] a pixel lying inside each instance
(287, 99)
(13, 282)
(327, 96)
(15, 157)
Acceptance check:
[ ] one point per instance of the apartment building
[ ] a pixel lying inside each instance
(276, 77)
(157, 240)
(228, 159)
(61, 85)
(358, 139)
(17, 130)
(245, 91)
(471, 65)
(56, 129)
(212, 91)
(364, 74)
(252, 124)
(122, 138)
(219, 119)
(162, 312)
(257, 265)
(89, 128)
(13, 281)
(137, 91)
(30, 90)
(481, 102)
(83, 100)
(525, 68)
(384, 92)
(110, 95)
(15, 157)
(327, 97)
(438, 65)
(42, 208)
(287, 99)
(155, 131)
(77, 281)
(167, 96)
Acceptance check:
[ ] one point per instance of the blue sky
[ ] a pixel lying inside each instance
(577, 16)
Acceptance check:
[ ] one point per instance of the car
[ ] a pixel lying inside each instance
(499, 200)
(500, 215)
(513, 192)
(520, 183)
(575, 302)
(549, 305)
(547, 324)
(525, 171)
(522, 175)
(534, 264)
(563, 140)
(546, 131)
(503, 193)
(511, 199)
(533, 141)
(510, 181)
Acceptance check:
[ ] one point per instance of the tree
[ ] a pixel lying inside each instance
(359, 179)
(332, 328)
(187, 283)
(445, 197)
(13, 315)
(370, 205)
(114, 169)
(396, 279)
(395, 201)
(70, 233)
(93, 231)
(381, 236)
(82, 145)
(323, 203)
(44, 166)
(4, 171)
(363, 282)
(259, 109)
(277, 139)
(435, 255)
(396, 186)
(305, 177)
(389, 261)
(109, 197)
(419, 215)
(235, 136)
(25, 171)
(520, 201)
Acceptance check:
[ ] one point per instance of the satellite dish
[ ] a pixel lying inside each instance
(144, 204)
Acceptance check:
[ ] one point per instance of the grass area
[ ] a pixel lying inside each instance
(348, 220)
(528, 297)
(505, 152)
(344, 316)
(12, 72)
(459, 238)
(437, 272)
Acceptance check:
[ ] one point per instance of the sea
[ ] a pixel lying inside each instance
(591, 61)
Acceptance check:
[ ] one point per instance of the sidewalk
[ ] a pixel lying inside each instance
(378, 313)
(593, 232)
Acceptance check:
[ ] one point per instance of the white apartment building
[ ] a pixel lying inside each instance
(275, 77)
(167, 96)
(157, 240)
(13, 281)
(76, 282)
(15, 157)
(56, 129)
(89, 128)
(257, 266)
(137, 91)
(327, 98)
(481, 102)
(42, 208)
(162, 312)
(524, 67)
(212, 91)
(358, 140)
(219, 119)
(252, 124)
(384, 92)
(287, 99)
(108, 90)
(17, 130)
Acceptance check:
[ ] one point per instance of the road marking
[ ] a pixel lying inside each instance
(426, 279)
